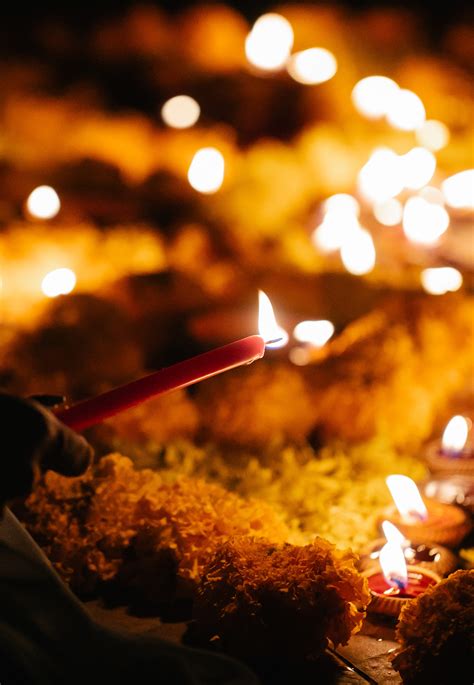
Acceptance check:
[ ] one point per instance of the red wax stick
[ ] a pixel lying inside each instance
(94, 410)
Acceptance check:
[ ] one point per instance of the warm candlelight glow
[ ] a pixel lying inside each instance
(392, 534)
(358, 252)
(312, 66)
(371, 96)
(181, 111)
(434, 135)
(459, 190)
(389, 212)
(334, 229)
(455, 434)
(269, 43)
(407, 498)
(43, 203)
(441, 280)
(268, 327)
(342, 203)
(424, 222)
(315, 333)
(393, 565)
(382, 176)
(58, 282)
(406, 111)
(419, 166)
(206, 171)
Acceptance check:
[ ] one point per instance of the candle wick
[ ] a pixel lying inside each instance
(272, 342)
(399, 582)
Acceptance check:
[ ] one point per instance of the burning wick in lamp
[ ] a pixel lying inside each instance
(453, 454)
(181, 375)
(428, 521)
(433, 557)
(393, 583)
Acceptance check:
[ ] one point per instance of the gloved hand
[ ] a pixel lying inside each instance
(33, 440)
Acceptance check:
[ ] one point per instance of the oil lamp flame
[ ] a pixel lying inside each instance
(58, 282)
(455, 434)
(393, 565)
(407, 498)
(268, 327)
(392, 534)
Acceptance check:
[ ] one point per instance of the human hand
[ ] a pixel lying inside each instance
(33, 440)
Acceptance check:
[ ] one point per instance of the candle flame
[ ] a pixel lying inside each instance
(392, 534)
(58, 282)
(43, 203)
(455, 434)
(269, 43)
(393, 565)
(407, 498)
(315, 333)
(206, 171)
(268, 327)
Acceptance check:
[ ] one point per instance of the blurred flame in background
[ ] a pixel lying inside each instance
(58, 282)
(358, 252)
(458, 190)
(315, 333)
(206, 171)
(269, 43)
(432, 134)
(43, 203)
(312, 66)
(406, 111)
(181, 111)
(455, 434)
(388, 212)
(372, 95)
(419, 166)
(441, 280)
(382, 176)
(407, 498)
(424, 222)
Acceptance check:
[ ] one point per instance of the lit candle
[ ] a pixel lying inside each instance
(433, 557)
(453, 454)
(394, 583)
(426, 520)
(181, 375)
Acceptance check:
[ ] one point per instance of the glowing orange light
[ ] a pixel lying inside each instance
(43, 202)
(407, 498)
(441, 280)
(434, 135)
(269, 43)
(382, 176)
(406, 111)
(455, 434)
(372, 95)
(58, 282)
(424, 222)
(459, 190)
(393, 565)
(181, 111)
(342, 203)
(419, 166)
(358, 252)
(312, 66)
(389, 212)
(268, 327)
(315, 333)
(206, 171)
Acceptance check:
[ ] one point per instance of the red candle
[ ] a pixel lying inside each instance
(97, 409)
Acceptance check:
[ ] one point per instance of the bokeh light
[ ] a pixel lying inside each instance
(419, 166)
(58, 282)
(441, 280)
(206, 171)
(389, 212)
(372, 95)
(358, 252)
(424, 222)
(269, 43)
(312, 66)
(382, 176)
(406, 111)
(315, 333)
(433, 134)
(458, 190)
(181, 111)
(43, 203)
